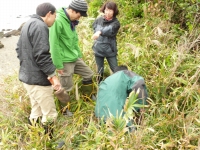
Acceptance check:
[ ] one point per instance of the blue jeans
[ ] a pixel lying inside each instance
(112, 61)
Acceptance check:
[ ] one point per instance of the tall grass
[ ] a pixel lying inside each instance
(151, 46)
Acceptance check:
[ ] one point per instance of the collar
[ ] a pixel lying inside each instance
(107, 19)
(72, 23)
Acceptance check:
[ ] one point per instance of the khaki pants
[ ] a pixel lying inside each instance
(78, 67)
(42, 102)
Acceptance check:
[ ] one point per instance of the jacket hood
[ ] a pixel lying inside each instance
(60, 13)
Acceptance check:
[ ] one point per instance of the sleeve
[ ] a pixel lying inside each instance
(18, 46)
(80, 55)
(111, 30)
(17, 49)
(55, 48)
(40, 41)
(138, 83)
(96, 26)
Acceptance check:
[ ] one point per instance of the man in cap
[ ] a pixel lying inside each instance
(65, 52)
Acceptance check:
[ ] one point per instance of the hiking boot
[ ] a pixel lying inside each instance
(88, 89)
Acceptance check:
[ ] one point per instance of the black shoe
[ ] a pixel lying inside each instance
(48, 128)
(68, 113)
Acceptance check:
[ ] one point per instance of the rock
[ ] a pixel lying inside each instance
(14, 32)
(20, 28)
(1, 45)
(1, 34)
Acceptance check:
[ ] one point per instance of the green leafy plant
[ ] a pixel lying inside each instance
(154, 46)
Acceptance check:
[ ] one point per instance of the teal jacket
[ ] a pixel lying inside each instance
(114, 90)
(63, 41)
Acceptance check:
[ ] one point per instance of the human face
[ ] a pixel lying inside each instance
(51, 19)
(108, 13)
(75, 15)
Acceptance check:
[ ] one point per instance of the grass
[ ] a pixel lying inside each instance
(151, 47)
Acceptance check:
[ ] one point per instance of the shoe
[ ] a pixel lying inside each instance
(68, 113)
(132, 129)
(60, 145)
(93, 97)
(48, 128)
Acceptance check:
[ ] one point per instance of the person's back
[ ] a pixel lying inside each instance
(114, 90)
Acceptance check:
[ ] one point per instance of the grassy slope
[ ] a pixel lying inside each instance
(150, 46)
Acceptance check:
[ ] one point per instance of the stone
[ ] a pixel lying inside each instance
(20, 28)
(1, 45)
(1, 34)
(14, 32)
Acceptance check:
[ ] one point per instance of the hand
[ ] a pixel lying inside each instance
(96, 35)
(60, 71)
(55, 83)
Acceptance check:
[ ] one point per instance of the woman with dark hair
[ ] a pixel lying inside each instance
(105, 30)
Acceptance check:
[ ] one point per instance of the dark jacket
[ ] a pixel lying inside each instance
(33, 52)
(106, 44)
(114, 90)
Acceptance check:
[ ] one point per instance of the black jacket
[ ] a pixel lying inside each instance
(33, 52)
(106, 45)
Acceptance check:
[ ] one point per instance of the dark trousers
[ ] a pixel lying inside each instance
(112, 61)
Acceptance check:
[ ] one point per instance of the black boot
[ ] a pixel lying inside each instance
(66, 112)
(87, 89)
(99, 78)
(48, 128)
(60, 144)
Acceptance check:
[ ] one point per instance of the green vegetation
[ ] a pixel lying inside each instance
(160, 40)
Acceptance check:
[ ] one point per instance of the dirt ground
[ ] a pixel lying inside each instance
(9, 65)
(9, 62)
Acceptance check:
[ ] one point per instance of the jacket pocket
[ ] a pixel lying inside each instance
(102, 47)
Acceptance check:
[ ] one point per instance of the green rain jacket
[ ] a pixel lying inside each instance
(114, 90)
(63, 41)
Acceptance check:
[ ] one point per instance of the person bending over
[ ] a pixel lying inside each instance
(115, 89)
